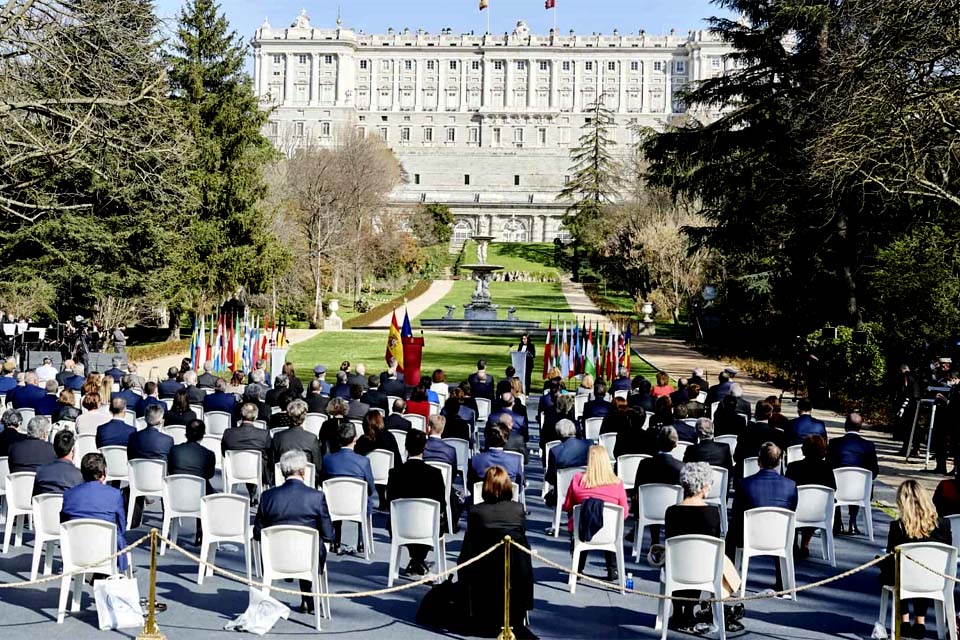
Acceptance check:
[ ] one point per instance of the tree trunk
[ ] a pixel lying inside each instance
(846, 269)
(174, 333)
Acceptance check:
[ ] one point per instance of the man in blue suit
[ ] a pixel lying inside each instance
(719, 391)
(126, 391)
(116, 432)
(852, 450)
(32, 452)
(46, 405)
(26, 397)
(804, 424)
(220, 400)
(150, 399)
(496, 456)
(345, 463)
(482, 383)
(622, 382)
(150, 443)
(169, 387)
(115, 371)
(70, 376)
(571, 452)
(61, 474)
(94, 499)
(8, 380)
(436, 450)
(598, 407)
(505, 408)
(294, 503)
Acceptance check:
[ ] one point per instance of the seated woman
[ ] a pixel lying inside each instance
(777, 419)
(563, 409)
(418, 402)
(180, 412)
(329, 431)
(918, 522)
(662, 412)
(236, 384)
(456, 426)
(482, 583)
(65, 411)
(586, 386)
(813, 469)
(440, 386)
(599, 481)
(636, 439)
(663, 386)
(375, 436)
(618, 420)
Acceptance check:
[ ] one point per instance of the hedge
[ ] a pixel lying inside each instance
(158, 350)
(377, 312)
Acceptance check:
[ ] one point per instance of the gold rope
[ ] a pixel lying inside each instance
(930, 569)
(84, 569)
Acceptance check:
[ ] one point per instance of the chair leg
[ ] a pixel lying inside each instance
(247, 552)
(64, 592)
(938, 616)
(7, 533)
(572, 581)
(620, 570)
(205, 556)
(661, 620)
(130, 509)
(394, 558)
(35, 563)
(77, 592)
(48, 557)
(719, 619)
(950, 613)
(556, 519)
(21, 522)
(638, 540)
(317, 600)
(165, 529)
(743, 574)
(884, 603)
(868, 516)
(327, 604)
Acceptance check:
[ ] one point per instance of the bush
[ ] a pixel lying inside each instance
(364, 319)
(851, 371)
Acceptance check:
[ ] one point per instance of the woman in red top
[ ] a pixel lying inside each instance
(418, 403)
(599, 481)
(663, 388)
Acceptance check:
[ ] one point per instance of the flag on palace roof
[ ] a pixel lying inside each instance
(550, 4)
(484, 4)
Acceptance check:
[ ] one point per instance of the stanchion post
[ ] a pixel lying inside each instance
(897, 615)
(507, 632)
(150, 629)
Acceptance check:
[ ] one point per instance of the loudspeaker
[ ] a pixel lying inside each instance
(100, 362)
(828, 333)
(35, 358)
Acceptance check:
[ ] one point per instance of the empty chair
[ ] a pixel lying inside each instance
(718, 494)
(729, 440)
(478, 492)
(225, 517)
(242, 467)
(417, 421)
(19, 488)
(627, 468)
(608, 538)
(82, 543)
(381, 461)
(652, 503)
(46, 529)
(564, 478)
(768, 531)
(217, 422)
(692, 563)
(918, 582)
(214, 444)
(347, 501)
(293, 552)
(309, 475)
(854, 487)
(312, 423)
(462, 447)
(401, 437)
(591, 429)
(146, 479)
(178, 432)
(609, 442)
(85, 443)
(182, 495)
(815, 511)
(447, 471)
(483, 410)
(415, 521)
(116, 458)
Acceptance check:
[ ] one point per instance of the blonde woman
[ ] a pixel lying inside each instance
(586, 385)
(599, 481)
(918, 522)
(106, 388)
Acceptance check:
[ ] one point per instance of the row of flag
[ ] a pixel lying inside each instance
(234, 342)
(548, 4)
(594, 349)
(395, 339)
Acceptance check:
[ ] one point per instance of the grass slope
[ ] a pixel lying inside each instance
(536, 257)
(534, 300)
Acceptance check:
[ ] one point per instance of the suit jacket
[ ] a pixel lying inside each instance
(297, 439)
(356, 410)
(26, 397)
(572, 452)
(416, 479)
(192, 459)
(172, 417)
(375, 398)
(644, 401)
(294, 503)
(596, 409)
(100, 502)
(196, 394)
(811, 471)
(718, 392)
(220, 401)
(247, 437)
(56, 477)
(766, 488)
(128, 396)
(519, 421)
(169, 387)
(853, 450)
(349, 464)
(316, 403)
(396, 421)
(750, 441)
(483, 461)
(7, 438)
(7, 384)
(685, 433)
(206, 381)
(803, 426)
(662, 468)
(30, 454)
(340, 391)
(457, 427)
(393, 388)
(115, 373)
(150, 444)
(483, 389)
(115, 433)
(620, 384)
(46, 405)
(146, 401)
(74, 382)
(714, 453)
(439, 451)
(384, 440)
(356, 378)
(727, 422)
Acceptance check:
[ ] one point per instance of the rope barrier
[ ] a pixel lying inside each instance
(83, 569)
(953, 579)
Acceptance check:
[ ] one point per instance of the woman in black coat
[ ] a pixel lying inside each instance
(65, 411)
(180, 411)
(526, 345)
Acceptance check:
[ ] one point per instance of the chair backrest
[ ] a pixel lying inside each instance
(217, 422)
(260, 424)
(655, 499)
(169, 403)
(62, 425)
(415, 518)
(147, 475)
(242, 466)
(612, 529)
(290, 549)
(853, 484)
(750, 466)
(694, 561)
(313, 422)
(729, 440)
(447, 471)
(346, 497)
(478, 492)
(814, 505)
(551, 445)
(390, 401)
(768, 529)
(197, 410)
(579, 401)
(116, 458)
(178, 432)
(309, 475)
(955, 529)
(621, 393)
(275, 410)
(26, 414)
(718, 489)
(213, 443)
(794, 453)
(591, 428)
(182, 493)
(609, 442)
(483, 408)
(225, 515)
(20, 490)
(680, 449)
(417, 421)
(401, 437)
(46, 513)
(381, 461)
(276, 430)
(564, 478)
(627, 467)
(130, 417)
(918, 582)
(4, 472)
(86, 541)
(713, 408)
(434, 408)
(462, 447)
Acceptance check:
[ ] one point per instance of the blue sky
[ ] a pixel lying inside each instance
(374, 16)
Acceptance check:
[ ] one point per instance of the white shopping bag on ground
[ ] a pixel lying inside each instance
(261, 614)
(118, 603)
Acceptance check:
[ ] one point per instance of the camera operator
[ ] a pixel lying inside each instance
(946, 431)
(904, 407)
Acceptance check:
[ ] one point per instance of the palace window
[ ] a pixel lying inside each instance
(680, 66)
(451, 134)
(408, 65)
(544, 65)
(453, 65)
(658, 66)
(588, 65)
(611, 66)
(475, 65)
(462, 231)
(428, 134)
(325, 129)
(328, 59)
(566, 65)
(430, 65)
(302, 58)
(277, 59)
(364, 64)
(496, 135)
(404, 134)
(521, 65)
(635, 66)
(498, 65)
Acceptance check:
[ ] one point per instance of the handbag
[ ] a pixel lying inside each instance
(118, 603)
(261, 614)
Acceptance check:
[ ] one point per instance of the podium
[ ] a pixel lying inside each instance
(519, 360)
(412, 357)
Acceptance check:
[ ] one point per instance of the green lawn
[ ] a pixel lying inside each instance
(540, 301)
(536, 257)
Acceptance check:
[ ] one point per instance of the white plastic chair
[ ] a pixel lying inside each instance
(564, 478)
(768, 531)
(815, 511)
(917, 582)
(309, 475)
(955, 529)
(447, 471)
(729, 440)
(275, 410)
(197, 410)
(750, 466)
(718, 494)
(381, 461)
(401, 437)
(390, 401)
(579, 401)
(591, 429)
(176, 431)
(213, 443)
(434, 408)
(347, 501)
(19, 506)
(415, 521)
(608, 538)
(313, 422)
(146, 479)
(691, 563)
(291, 552)
(794, 453)
(609, 442)
(462, 447)
(46, 530)
(85, 443)
(4, 472)
(621, 393)
(627, 468)
(130, 417)
(854, 487)
(545, 487)
(483, 410)
(62, 425)
(169, 403)
(652, 503)
(182, 495)
(478, 492)
(521, 485)
(26, 414)
(680, 449)
(713, 408)
(417, 421)
(225, 517)
(242, 467)
(116, 458)
(82, 543)
(217, 422)
(260, 424)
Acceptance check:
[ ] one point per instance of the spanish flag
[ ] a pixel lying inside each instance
(394, 344)
(484, 4)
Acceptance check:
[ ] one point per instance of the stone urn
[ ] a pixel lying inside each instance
(647, 309)
(333, 322)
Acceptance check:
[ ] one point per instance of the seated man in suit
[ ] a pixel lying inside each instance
(61, 474)
(416, 479)
(115, 371)
(247, 436)
(515, 440)
(316, 401)
(46, 405)
(359, 376)
(812, 469)
(716, 454)
(766, 488)
(396, 420)
(742, 405)
(681, 395)
(220, 400)
(356, 408)
(150, 399)
(342, 388)
(126, 391)
(194, 392)
(496, 456)
(622, 381)
(8, 377)
(755, 435)
(435, 449)
(726, 420)
(662, 468)
(804, 424)
(95, 499)
(294, 503)
(696, 377)
(207, 380)
(346, 463)
(148, 444)
(506, 404)
(255, 394)
(641, 396)
(852, 450)
(482, 384)
(598, 407)
(695, 408)
(27, 396)
(685, 432)
(70, 377)
(116, 432)
(373, 396)
(192, 458)
(169, 387)
(296, 438)
(34, 451)
(571, 452)
(391, 384)
(719, 391)
(281, 384)
(11, 430)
